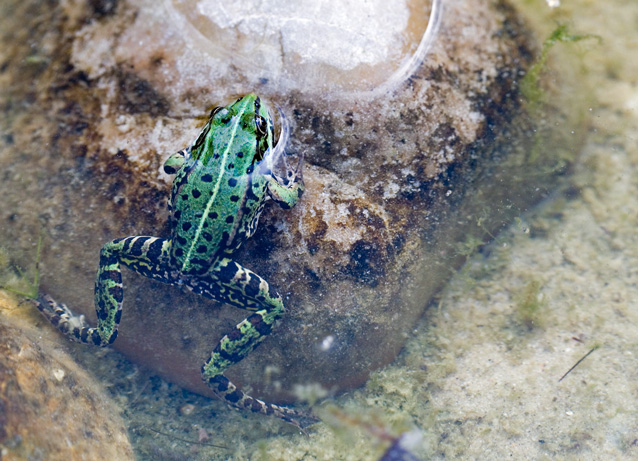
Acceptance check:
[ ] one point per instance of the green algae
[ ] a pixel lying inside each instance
(530, 84)
(529, 306)
(20, 285)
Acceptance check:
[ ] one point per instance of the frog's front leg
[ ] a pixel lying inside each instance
(233, 284)
(144, 255)
(288, 190)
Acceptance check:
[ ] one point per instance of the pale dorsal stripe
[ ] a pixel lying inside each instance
(215, 189)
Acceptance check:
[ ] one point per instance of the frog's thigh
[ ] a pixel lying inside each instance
(145, 255)
(243, 288)
(231, 283)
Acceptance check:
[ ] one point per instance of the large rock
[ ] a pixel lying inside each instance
(415, 153)
(49, 407)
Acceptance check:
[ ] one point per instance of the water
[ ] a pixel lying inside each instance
(479, 376)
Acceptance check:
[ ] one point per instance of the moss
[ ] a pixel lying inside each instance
(529, 306)
(15, 280)
(535, 95)
(469, 246)
(530, 84)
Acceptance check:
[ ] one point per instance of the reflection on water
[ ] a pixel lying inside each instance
(305, 45)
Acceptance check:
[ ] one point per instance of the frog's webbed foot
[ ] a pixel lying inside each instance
(71, 325)
(293, 176)
(286, 191)
(302, 420)
(297, 172)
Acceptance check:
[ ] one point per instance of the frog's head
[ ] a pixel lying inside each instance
(243, 130)
(257, 122)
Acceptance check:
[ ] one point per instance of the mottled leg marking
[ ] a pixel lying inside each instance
(66, 321)
(145, 255)
(243, 288)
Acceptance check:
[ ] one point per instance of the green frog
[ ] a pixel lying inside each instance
(222, 182)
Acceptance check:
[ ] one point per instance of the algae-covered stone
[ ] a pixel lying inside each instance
(413, 155)
(49, 407)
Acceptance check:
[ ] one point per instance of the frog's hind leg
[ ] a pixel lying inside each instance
(240, 287)
(145, 255)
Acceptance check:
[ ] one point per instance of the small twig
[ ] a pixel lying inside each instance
(195, 442)
(578, 363)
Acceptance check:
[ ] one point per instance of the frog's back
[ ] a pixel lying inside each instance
(217, 195)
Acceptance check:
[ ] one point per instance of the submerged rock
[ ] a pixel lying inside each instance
(415, 153)
(49, 407)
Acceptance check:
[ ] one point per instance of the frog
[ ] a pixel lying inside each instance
(222, 182)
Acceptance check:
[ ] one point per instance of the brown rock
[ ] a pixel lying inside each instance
(49, 407)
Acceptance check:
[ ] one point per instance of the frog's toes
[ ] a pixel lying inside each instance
(77, 322)
(58, 313)
(303, 420)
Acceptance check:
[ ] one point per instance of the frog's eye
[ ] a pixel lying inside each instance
(262, 126)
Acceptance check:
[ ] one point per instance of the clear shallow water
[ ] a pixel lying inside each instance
(479, 377)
